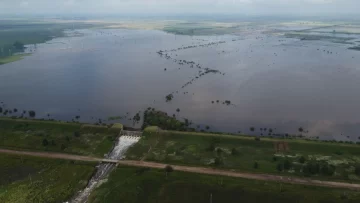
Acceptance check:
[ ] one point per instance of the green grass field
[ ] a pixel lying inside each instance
(240, 153)
(28, 179)
(140, 185)
(56, 136)
(13, 58)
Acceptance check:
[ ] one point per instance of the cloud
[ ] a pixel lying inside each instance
(181, 6)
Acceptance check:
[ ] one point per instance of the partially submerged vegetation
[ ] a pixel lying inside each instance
(28, 179)
(56, 136)
(277, 156)
(130, 185)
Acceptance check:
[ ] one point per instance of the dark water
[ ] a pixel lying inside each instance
(283, 84)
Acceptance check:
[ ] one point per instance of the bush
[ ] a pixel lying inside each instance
(218, 161)
(211, 148)
(218, 151)
(45, 142)
(287, 164)
(302, 159)
(357, 170)
(63, 147)
(280, 167)
(77, 134)
(256, 165)
(257, 138)
(274, 158)
(234, 151)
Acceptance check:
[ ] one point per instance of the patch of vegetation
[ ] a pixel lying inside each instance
(28, 179)
(153, 117)
(240, 152)
(140, 185)
(55, 136)
(13, 58)
(357, 48)
(306, 36)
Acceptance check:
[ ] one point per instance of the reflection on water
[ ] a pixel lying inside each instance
(273, 82)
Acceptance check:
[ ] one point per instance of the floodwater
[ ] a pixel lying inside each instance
(272, 81)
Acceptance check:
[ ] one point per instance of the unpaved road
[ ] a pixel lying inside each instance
(201, 170)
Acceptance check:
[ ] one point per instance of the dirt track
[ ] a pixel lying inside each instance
(201, 170)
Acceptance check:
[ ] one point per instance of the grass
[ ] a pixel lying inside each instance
(141, 185)
(60, 137)
(306, 36)
(357, 48)
(25, 180)
(201, 149)
(9, 59)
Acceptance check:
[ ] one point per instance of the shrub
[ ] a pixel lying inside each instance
(256, 165)
(257, 138)
(302, 159)
(45, 142)
(357, 170)
(287, 164)
(77, 134)
(218, 161)
(234, 151)
(280, 167)
(274, 158)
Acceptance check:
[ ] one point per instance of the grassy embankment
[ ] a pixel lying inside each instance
(56, 136)
(9, 59)
(28, 179)
(129, 184)
(320, 160)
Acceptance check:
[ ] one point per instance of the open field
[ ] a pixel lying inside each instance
(129, 184)
(56, 136)
(27, 179)
(321, 160)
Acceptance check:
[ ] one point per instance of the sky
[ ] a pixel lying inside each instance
(166, 7)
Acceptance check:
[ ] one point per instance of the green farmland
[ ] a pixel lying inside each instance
(28, 179)
(56, 136)
(320, 160)
(140, 185)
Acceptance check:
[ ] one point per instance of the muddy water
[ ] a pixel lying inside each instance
(104, 169)
(273, 81)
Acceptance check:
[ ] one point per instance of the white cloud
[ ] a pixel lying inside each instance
(181, 6)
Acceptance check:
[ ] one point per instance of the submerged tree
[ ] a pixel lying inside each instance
(169, 97)
(32, 114)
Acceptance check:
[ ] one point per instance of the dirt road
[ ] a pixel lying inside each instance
(201, 170)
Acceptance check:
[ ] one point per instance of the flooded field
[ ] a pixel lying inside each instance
(257, 78)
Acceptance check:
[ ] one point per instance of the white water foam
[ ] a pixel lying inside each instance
(104, 169)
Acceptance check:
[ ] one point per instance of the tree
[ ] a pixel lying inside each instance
(274, 158)
(252, 129)
(357, 170)
(234, 151)
(218, 161)
(1, 110)
(15, 110)
(169, 97)
(77, 134)
(256, 165)
(211, 148)
(207, 127)
(218, 151)
(287, 164)
(45, 142)
(178, 110)
(32, 114)
(168, 169)
(301, 129)
(280, 167)
(302, 159)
